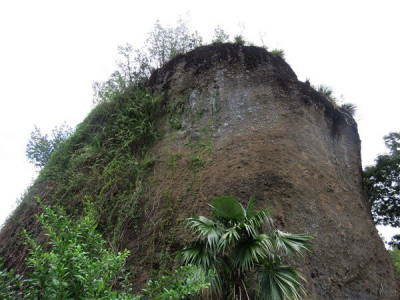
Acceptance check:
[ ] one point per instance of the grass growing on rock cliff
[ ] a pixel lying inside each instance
(106, 158)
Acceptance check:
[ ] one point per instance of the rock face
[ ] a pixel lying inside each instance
(276, 138)
(238, 122)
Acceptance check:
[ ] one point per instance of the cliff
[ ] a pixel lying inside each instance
(236, 121)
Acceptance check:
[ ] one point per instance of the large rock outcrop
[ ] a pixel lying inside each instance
(237, 122)
(276, 138)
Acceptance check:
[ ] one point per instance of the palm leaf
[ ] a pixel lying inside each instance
(260, 218)
(199, 254)
(206, 228)
(250, 251)
(250, 207)
(291, 244)
(278, 281)
(230, 237)
(228, 208)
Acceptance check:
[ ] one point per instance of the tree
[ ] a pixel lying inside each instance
(40, 147)
(382, 183)
(233, 246)
(165, 42)
(220, 36)
(135, 66)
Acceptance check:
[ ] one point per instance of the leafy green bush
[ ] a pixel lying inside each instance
(233, 246)
(75, 264)
(10, 284)
(239, 39)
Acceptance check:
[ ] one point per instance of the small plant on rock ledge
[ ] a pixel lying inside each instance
(278, 52)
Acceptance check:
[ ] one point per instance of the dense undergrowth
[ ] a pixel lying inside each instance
(106, 159)
(75, 263)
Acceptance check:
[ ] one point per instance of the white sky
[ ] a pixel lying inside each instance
(52, 51)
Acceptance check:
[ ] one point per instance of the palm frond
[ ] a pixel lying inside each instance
(199, 254)
(207, 229)
(250, 208)
(278, 281)
(231, 236)
(291, 244)
(260, 218)
(250, 251)
(228, 208)
(216, 287)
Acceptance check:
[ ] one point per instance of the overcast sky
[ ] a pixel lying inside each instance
(52, 51)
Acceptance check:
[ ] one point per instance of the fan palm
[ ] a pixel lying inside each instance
(233, 247)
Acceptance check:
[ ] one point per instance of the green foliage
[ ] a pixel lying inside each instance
(344, 107)
(382, 182)
(239, 39)
(233, 246)
(327, 92)
(135, 66)
(75, 264)
(106, 159)
(10, 284)
(133, 69)
(165, 42)
(180, 284)
(278, 52)
(220, 36)
(395, 254)
(40, 147)
(349, 107)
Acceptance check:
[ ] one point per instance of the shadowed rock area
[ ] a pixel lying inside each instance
(238, 122)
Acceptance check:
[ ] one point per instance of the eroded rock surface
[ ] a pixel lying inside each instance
(277, 139)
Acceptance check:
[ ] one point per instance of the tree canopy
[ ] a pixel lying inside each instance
(40, 147)
(382, 182)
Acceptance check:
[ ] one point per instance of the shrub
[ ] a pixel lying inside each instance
(76, 265)
(278, 52)
(239, 39)
(349, 107)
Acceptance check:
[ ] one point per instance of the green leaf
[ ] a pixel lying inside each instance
(227, 207)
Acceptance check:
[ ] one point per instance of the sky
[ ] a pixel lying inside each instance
(52, 51)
